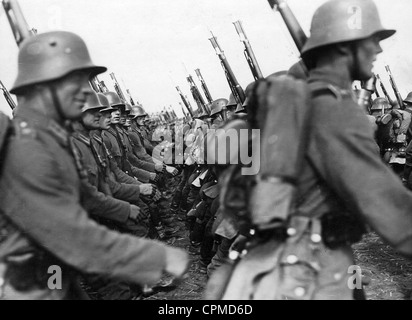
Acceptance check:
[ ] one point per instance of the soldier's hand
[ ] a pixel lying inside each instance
(171, 170)
(147, 189)
(154, 177)
(159, 167)
(136, 214)
(177, 262)
(157, 195)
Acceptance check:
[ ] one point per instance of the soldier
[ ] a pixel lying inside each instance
(342, 185)
(216, 114)
(342, 172)
(43, 223)
(117, 143)
(231, 107)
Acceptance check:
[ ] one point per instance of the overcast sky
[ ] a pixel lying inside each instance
(152, 45)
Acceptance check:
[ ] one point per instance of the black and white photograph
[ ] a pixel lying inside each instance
(205, 155)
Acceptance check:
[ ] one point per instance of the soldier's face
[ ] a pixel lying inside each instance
(105, 120)
(72, 92)
(123, 117)
(115, 117)
(91, 119)
(140, 121)
(368, 50)
(128, 122)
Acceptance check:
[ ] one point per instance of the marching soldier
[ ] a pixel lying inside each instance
(342, 172)
(305, 251)
(43, 223)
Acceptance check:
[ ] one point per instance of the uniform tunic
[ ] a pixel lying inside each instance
(39, 194)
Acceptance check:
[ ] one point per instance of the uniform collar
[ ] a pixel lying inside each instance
(42, 123)
(330, 76)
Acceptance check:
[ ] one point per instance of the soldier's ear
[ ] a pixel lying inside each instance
(343, 48)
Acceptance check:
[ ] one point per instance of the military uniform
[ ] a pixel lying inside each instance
(43, 205)
(117, 146)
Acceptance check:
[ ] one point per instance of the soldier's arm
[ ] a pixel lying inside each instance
(120, 175)
(43, 206)
(143, 175)
(103, 206)
(123, 191)
(138, 148)
(343, 153)
(140, 163)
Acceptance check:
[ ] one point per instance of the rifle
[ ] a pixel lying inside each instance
(21, 31)
(249, 55)
(130, 96)
(196, 95)
(95, 84)
(18, 23)
(173, 112)
(234, 85)
(395, 88)
(183, 110)
(384, 89)
(186, 103)
(117, 87)
(7, 96)
(204, 86)
(299, 37)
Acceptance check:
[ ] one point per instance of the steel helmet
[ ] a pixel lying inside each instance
(408, 99)
(93, 103)
(114, 100)
(232, 101)
(138, 111)
(51, 56)
(218, 106)
(380, 103)
(344, 20)
(202, 114)
(105, 102)
(128, 109)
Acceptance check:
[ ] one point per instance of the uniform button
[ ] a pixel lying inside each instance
(252, 232)
(316, 238)
(292, 259)
(291, 232)
(23, 124)
(300, 292)
(233, 255)
(337, 276)
(244, 252)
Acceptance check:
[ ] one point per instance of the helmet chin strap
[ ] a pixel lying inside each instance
(355, 65)
(56, 102)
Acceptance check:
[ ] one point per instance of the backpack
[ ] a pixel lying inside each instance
(285, 257)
